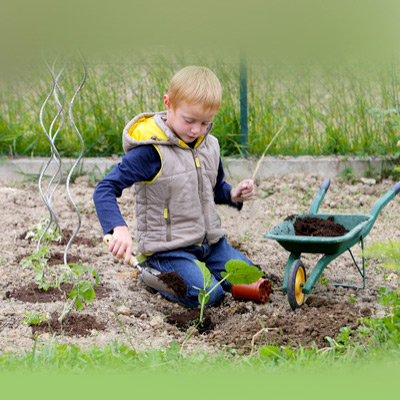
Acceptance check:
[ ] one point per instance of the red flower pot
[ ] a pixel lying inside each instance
(257, 291)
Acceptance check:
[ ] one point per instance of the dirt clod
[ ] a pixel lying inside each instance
(175, 282)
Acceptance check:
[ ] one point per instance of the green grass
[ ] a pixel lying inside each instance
(349, 109)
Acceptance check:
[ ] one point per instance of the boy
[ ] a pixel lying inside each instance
(175, 166)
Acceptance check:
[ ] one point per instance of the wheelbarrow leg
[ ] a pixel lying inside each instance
(358, 268)
(317, 271)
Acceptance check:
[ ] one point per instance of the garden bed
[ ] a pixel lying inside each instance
(124, 310)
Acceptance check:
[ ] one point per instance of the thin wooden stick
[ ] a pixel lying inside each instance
(263, 154)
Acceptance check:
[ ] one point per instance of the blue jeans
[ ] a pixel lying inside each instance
(182, 262)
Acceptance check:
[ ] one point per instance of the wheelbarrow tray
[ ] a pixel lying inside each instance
(357, 225)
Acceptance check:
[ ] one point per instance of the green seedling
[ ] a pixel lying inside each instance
(237, 273)
(36, 231)
(82, 289)
(323, 281)
(33, 319)
(44, 278)
(352, 299)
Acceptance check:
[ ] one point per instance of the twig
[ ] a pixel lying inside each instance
(266, 330)
(263, 154)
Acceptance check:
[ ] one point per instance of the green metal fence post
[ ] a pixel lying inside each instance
(243, 106)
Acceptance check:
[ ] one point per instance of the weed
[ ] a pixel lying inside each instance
(347, 175)
(387, 253)
(322, 280)
(352, 299)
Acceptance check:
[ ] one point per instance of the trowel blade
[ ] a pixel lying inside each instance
(150, 278)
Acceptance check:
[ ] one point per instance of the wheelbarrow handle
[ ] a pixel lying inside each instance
(320, 196)
(396, 188)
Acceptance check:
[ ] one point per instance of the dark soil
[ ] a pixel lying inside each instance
(183, 321)
(175, 282)
(56, 258)
(316, 319)
(66, 236)
(315, 226)
(74, 325)
(32, 294)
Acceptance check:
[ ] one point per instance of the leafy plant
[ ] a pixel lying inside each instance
(44, 276)
(33, 319)
(36, 231)
(348, 175)
(237, 273)
(83, 288)
(47, 276)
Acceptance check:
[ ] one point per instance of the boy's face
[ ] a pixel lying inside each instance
(188, 121)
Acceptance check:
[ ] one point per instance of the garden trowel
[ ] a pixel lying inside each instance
(149, 275)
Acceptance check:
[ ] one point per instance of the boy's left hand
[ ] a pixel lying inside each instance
(244, 191)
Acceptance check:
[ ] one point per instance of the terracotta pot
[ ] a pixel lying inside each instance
(257, 291)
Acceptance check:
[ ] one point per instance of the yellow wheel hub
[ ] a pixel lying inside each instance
(298, 287)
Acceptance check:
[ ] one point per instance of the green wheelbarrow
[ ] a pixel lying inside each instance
(295, 283)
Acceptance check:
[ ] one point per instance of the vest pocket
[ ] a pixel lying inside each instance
(167, 221)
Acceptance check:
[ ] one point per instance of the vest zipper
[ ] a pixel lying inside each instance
(200, 191)
(168, 221)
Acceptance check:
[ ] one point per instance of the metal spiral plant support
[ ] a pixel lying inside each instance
(77, 161)
(56, 154)
(47, 199)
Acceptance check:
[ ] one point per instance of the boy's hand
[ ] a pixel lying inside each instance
(244, 191)
(121, 243)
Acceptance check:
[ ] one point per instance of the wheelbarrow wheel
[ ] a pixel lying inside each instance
(296, 281)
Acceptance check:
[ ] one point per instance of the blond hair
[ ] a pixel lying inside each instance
(195, 85)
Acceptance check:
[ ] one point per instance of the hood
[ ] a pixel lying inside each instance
(151, 128)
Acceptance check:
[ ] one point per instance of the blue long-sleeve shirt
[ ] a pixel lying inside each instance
(141, 164)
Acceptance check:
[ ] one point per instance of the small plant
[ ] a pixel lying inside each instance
(347, 174)
(352, 299)
(33, 319)
(322, 280)
(237, 273)
(46, 276)
(36, 231)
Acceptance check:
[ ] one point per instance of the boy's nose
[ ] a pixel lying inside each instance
(195, 129)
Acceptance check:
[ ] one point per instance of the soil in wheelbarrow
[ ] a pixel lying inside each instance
(314, 226)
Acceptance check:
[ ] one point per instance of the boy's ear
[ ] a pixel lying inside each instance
(167, 101)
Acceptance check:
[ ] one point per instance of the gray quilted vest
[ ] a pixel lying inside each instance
(177, 208)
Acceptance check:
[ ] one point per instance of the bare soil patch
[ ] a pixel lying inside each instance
(124, 310)
(75, 325)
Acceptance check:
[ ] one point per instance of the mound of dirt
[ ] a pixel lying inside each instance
(75, 325)
(315, 226)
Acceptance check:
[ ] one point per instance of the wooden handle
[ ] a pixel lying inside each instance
(107, 240)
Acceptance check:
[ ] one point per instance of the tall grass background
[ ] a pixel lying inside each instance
(344, 109)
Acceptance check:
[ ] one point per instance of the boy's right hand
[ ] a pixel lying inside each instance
(121, 243)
